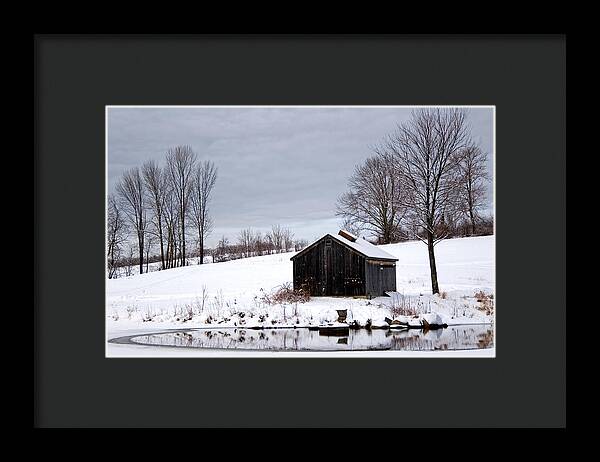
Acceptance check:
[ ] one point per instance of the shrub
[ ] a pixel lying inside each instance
(481, 296)
(286, 294)
(130, 311)
(487, 302)
(401, 306)
(148, 315)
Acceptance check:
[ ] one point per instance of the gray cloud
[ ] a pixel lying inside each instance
(276, 165)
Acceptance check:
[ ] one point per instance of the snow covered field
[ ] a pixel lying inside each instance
(229, 294)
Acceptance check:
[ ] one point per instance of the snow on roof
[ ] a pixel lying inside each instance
(361, 245)
(365, 247)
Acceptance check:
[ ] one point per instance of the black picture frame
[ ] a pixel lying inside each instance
(77, 75)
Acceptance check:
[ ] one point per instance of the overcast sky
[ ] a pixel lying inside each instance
(275, 165)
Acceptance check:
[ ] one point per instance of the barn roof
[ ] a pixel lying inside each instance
(361, 245)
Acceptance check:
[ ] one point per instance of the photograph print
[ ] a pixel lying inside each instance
(300, 231)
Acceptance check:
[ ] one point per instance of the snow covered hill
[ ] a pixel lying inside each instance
(230, 293)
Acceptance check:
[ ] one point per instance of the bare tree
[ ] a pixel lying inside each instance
(222, 248)
(287, 239)
(180, 167)
(275, 238)
(259, 243)
(129, 262)
(300, 244)
(115, 235)
(268, 243)
(373, 202)
(205, 176)
(171, 219)
(472, 185)
(246, 241)
(156, 187)
(149, 242)
(131, 191)
(427, 153)
(352, 226)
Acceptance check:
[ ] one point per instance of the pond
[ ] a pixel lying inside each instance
(466, 337)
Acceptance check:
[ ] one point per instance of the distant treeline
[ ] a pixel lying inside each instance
(448, 227)
(252, 243)
(249, 243)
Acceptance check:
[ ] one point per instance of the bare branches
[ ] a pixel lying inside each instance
(171, 219)
(181, 161)
(251, 243)
(116, 234)
(204, 179)
(246, 241)
(427, 152)
(473, 176)
(159, 200)
(156, 183)
(131, 192)
(275, 238)
(373, 202)
(287, 239)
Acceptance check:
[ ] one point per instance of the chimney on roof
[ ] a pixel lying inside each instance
(347, 235)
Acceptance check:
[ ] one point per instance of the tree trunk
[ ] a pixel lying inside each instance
(434, 280)
(141, 246)
(111, 270)
(472, 222)
(182, 239)
(170, 247)
(201, 241)
(160, 238)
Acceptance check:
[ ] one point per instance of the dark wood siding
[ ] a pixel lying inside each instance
(380, 277)
(330, 268)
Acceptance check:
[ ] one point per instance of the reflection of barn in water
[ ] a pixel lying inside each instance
(344, 264)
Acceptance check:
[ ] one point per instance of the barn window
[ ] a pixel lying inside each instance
(328, 242)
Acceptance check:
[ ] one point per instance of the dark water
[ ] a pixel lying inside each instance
(302, 339)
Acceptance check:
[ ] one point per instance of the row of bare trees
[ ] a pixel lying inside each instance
(155, 205)
(251, 243)
(116, 236)
(424, 180)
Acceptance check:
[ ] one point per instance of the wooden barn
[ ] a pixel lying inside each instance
(344, 265)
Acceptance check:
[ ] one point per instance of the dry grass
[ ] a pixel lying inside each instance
(487, 302)
(402, 306)
(286, 294)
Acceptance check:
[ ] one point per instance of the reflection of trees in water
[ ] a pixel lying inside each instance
(412, 341)
(486, 339)
(223, 339)
(453, 338)
(279, 339)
